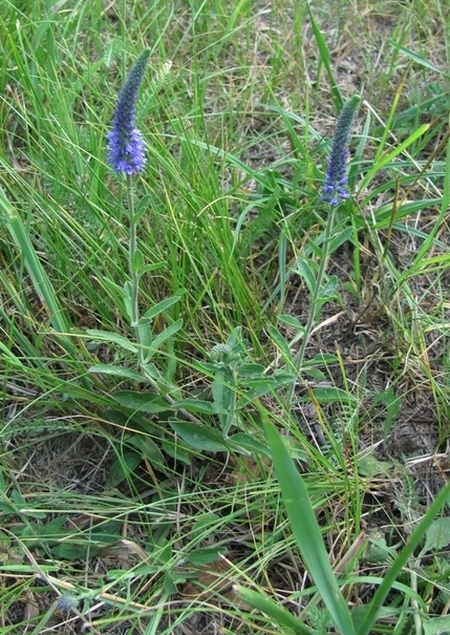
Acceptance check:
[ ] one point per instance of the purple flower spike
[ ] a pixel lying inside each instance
(335, 186)
(125, 142)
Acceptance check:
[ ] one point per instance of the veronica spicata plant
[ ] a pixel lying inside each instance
(126, 156)
(334, 191)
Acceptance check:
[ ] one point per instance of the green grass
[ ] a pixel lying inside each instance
(141, 473)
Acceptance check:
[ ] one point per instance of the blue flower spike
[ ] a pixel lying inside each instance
(125, 142)
(335, 187)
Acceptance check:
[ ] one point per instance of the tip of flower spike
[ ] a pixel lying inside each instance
(335, 184)
(353, 102)
(125, 142)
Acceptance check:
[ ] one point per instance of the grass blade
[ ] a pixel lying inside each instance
(307, 532)
(36, 271)
(272, 609)
(401, 560)
(387, 158)
(336, 96)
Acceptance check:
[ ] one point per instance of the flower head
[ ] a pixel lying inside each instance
(125, 142)
(66, 602)
(335, 186)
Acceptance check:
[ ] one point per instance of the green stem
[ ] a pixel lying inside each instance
(298, 360)
(134, 275)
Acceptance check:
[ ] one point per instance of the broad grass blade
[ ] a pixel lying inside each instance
(336, 96)
(307, 532)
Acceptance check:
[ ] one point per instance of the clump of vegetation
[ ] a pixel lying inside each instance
(224, 310)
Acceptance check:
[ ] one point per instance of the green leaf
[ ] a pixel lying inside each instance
(275, 611)
(291, 321)
(438, 535)
(315, 373)
(330, 394)
(387, 158)
(154, 266)
(145, 337)
(322, 358)
(280, 342)
(161, 338)
(170, 583)
(148, 449)
(177, 451)
(7, 508)
(260, 386)
(340, 239)
(121, 468)
(152, 371)
(53, 530)
(437, 626)
(240, 440)
(117, 371)
(370, 466)
(67, 551)
(138, 261)
(112, 338)
(157, 309)
(141, 207)
(251, 371)
(143, 402)
(303, 268)
(307, 532)
(199, 437)
(128, 298)
(203, 526)
(206, 555)
(196, 405)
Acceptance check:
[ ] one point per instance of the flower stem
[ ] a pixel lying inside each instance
(134, 275)
(134, 278)
(299, 358)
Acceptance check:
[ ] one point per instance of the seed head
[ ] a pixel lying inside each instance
(125, 142)
(335, 186)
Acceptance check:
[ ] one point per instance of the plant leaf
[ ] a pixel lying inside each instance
(118, 371)
(206, 555)
(199, 437)
(142, 402)
(112, 338)
(438, 535)
(157, 309)
(196, 405)
(121, 468)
